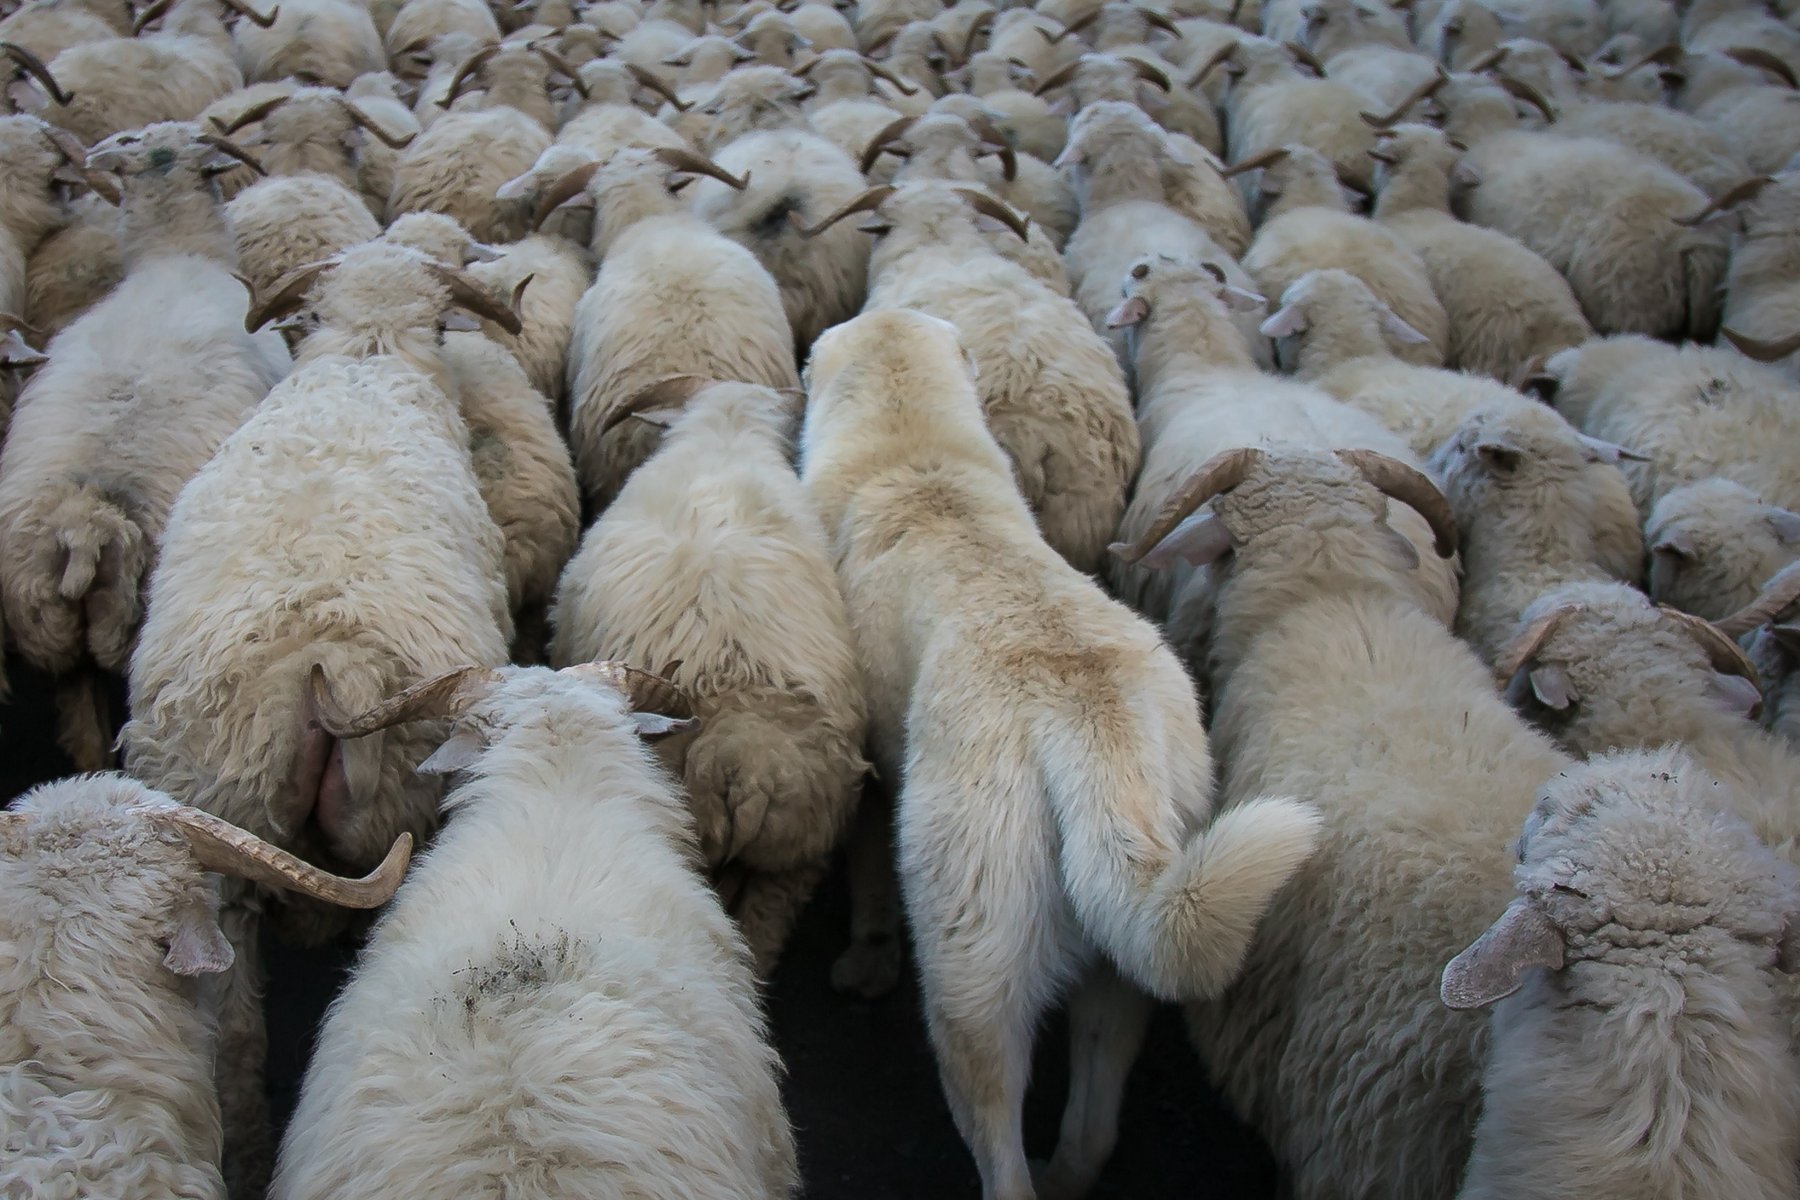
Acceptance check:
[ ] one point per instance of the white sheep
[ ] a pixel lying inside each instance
(106, 1045)
(75, 267)
(711, 557)
(996, 671)
(1505, 305)
(728, 322)
(48, 27)
(42, 159)
(1713, 544)
(1634, 966)
(323, 41)
(406, 27)
(1330, 682)
(1272, 103)
(137, 395)
(1762, 297)
(363, 554)
(556, 1002)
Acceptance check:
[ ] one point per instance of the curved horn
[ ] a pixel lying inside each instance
(565, 189)
(880, 72)
(803, 69)
(888, 133)
(1488, 61)
(1778, 595)
(1722, 654)
(1206, 68)
(650, 82)
(987, 206)
(1150, 74)
(1523, 648)
(1423, 91)
(251, 15)
(993, 136)
(1305, 57)
(470, 66)
(977, 27)
(1411, 487)
(441, 696)
(290, 294)
(1527, 93)
(1762, 60)
(1267, 158)
(560, 65)
(1157, 20)
(230, 148)
(1075, 26)
(1058, 77)
(670, 392)
(364, 121)
(1731, 197)
(686, 160)
(647, 691)
(466, 294)
(1663, 56)
(1216, 475)
(220, 846)
(146, 15)
(34, 66)
(1756, 348)
(255, 113)
(866, 202)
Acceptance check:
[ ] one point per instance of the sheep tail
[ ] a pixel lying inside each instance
(1176, 919)
(106, 557)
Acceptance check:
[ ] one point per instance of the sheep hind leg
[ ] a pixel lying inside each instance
(84, 726)
(1108, 1018)
(870, 966)
(767, 907)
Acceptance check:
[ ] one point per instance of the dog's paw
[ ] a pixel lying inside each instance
(869, 967)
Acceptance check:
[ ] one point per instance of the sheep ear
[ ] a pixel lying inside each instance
(198, 946)
(1287, 321)
(1465, 174)
(1131, 311)
(1594, 449)
(1063, 106)
(1494, 966)
(1786, 525)
(1552, 687)
(1679, 545)
(651, 724)
(1400, 553)
(1499, 456)
(458, 321)
(1199, 540)
(1239, 299)
(26, 96)
(460, 751)
(1733, 693)
(1400, 331)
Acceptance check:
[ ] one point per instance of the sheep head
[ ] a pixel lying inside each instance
(168, 150)
(376, 296)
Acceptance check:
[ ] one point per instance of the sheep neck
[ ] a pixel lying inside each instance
(1414, 186)
(1188, 336)
(174, 213)
(1337, 339)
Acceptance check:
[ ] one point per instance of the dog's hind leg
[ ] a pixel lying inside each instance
(1107, 1021)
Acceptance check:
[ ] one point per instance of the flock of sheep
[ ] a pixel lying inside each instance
(1351, 368)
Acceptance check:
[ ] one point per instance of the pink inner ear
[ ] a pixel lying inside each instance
(1288, 320)
(1129, 312)
(1199, 540)
(1735, 694)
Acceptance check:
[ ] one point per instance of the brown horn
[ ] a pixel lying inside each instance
(474, 63)
(1756, 348)
(565, 189)
(1058, 77)
(220, 846)
(1778, 595)
(1267, 158)
(686, 160)
(1524, 647)
(670, 392)
(253, 114)
(1663, 56)
(1488, 61)
(1762, 60)
(802, 70)
(1076, 26)
(251, 15)
(466, 294)
(647, 691)
(1722, 654)
(290, 294)
(993, 136)
(14, 321)
(147, 15)
(560, 65)
(226, 146)
(1150, 74)
(1157, 20)
(66, 143)
(34, 66)
(866, 202)
(1206, 68)
(442, 696)
(1731, 197)
(1527, 93)
(987, 206)
(1423, 91)
(1305, 57)
(882, 73)
(977, 27)
(889, 133)
(1216, 475)
(364, 121)
(650, 82)
(1411, 487)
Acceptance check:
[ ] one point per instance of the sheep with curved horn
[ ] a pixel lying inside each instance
(1761, 320)
(330, 42)
(106, 895)
(640, 949)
